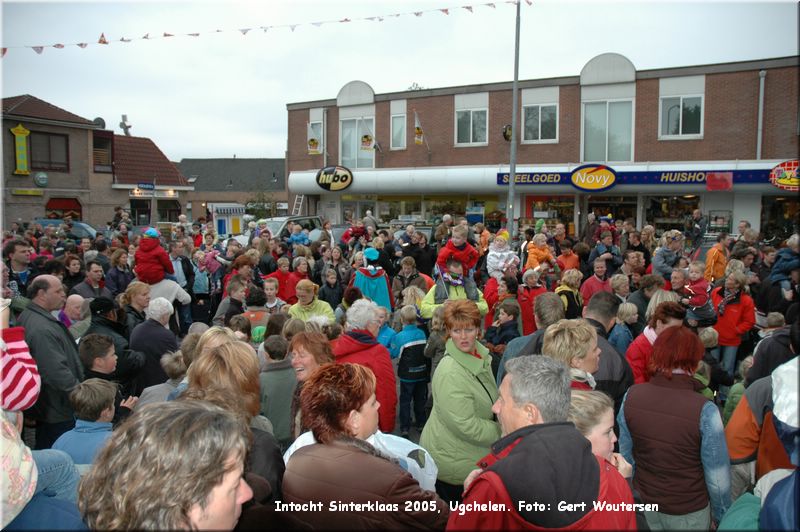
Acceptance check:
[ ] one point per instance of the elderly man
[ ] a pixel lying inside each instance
(359, 345)
(153, 338)
(93, 286)
(541, 473)
(56, 355)
(71, 313)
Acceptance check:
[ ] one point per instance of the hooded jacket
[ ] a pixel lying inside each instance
(548, 464)
(152, 261)
(374, 284)
(360, 347)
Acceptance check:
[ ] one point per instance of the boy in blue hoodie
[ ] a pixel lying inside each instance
(93, 402)
(413, 369)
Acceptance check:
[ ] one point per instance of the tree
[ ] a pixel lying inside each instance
(261, 205)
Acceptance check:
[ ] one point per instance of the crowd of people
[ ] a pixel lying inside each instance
(614, 379)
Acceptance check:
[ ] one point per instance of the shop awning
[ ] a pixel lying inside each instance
(63, 204)
(229, 210)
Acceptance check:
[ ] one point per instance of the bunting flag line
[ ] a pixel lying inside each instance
(292, 27)
(3, 52)
(419, 134)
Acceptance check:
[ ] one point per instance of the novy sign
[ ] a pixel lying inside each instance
(593, 178)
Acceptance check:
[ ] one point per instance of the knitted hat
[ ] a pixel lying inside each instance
(102, 305)
(539, 224)
(503, 233)
(21, 382)
(151, 232)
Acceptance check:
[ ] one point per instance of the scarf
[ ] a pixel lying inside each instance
(728, 297)
(581, 376)
(455, 281)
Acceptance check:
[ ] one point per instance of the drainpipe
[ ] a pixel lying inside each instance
(762, 74)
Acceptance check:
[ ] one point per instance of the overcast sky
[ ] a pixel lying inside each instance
(225, 93)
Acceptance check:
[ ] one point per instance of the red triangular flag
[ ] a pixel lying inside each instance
(168, 34)
(3, 52)
(102, 39)
(83, 44)
(38, 49)
(445, 11)
(59, 46)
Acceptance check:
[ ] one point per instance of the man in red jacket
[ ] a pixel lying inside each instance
(359, 346)
(542, 473)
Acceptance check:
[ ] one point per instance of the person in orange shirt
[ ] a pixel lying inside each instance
(717, 259)
(538, 252)
(568, 260)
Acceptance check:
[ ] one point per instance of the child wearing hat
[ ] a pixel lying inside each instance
(500, 256)
(152, 261)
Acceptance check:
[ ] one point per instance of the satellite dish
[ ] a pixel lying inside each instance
(99, 122)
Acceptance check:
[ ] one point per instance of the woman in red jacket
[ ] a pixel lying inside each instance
(736, 315)
(666, 314)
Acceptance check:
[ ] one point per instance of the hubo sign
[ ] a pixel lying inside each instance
(593, 178)
(334, 178)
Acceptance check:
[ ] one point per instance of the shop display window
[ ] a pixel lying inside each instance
(780, 216)
(670, 212)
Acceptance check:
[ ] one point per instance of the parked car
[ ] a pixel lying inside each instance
(426, 230)
(278, 226)
(338, 231)
(79, 229)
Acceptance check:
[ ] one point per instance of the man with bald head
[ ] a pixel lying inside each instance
(71, 312)
(56, 355)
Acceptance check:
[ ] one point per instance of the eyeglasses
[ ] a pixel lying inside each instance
(462, 332)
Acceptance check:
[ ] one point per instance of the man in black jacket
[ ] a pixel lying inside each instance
(614, 376)
(184, 275)
(153, 338)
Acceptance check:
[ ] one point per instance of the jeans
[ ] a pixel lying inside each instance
(57, 475)
(48, 433)
(48, 513)
(699, 520)
(726, 355)
(418, 393)
(185, 315)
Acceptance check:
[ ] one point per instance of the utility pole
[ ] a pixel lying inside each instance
(510, 225)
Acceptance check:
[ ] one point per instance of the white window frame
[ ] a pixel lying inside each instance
(455, 128)
(608, 101)
(391, 131)
(321, 135)
(540, 141)
(358, 140)
(681, 136)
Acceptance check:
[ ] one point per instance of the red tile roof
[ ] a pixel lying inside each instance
(138, 159)
(32, 107)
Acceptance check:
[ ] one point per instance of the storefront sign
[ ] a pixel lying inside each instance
(21, 149)
(784, 176)
(146, 186)
(584, 178)
(334, 178)
(27, 192)
(40, 179)
(593, 178)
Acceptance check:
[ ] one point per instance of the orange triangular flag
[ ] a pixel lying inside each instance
(102, 39)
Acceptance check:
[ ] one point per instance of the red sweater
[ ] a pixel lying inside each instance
(638, 355)
(466, 255)
(360, 347)
(526, 297)
(152, 261)
(591, 286)
(737, 319)
(286, 285)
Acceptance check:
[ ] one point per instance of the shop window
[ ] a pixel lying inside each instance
(670, 212)
(541, 123)
(351, 134)
(779, 216)
(49, 152)
(608, 131)
(168, 210)
(317, 133)
(681, 116)
(398, 132)
(140, 211)
(471, 127)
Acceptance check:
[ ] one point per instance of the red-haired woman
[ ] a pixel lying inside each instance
(667, 314)
(674, 439)
(340, 408)
(308, 351)
(243, 265)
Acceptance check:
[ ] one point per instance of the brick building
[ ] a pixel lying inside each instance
(650, 144)
(57, 163)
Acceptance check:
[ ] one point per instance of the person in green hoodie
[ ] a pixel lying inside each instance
(461, 427)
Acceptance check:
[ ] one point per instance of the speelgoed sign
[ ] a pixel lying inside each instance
(596, 177)
(784, 176)
(334, 178)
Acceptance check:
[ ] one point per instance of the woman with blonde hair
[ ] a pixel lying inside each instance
(621, 335)
(232, 368)
(592, 413)
(649, 238)
(620, 286)
(308, 305)
(574, 342)
(569, 293)
(134, 301)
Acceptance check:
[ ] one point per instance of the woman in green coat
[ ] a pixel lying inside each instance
(308, 305)
(461, 427)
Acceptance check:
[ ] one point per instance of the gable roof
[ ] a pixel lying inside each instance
(235, 175)
(28, 106)
(138, 159)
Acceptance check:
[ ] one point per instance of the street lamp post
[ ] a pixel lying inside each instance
(514, 122)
